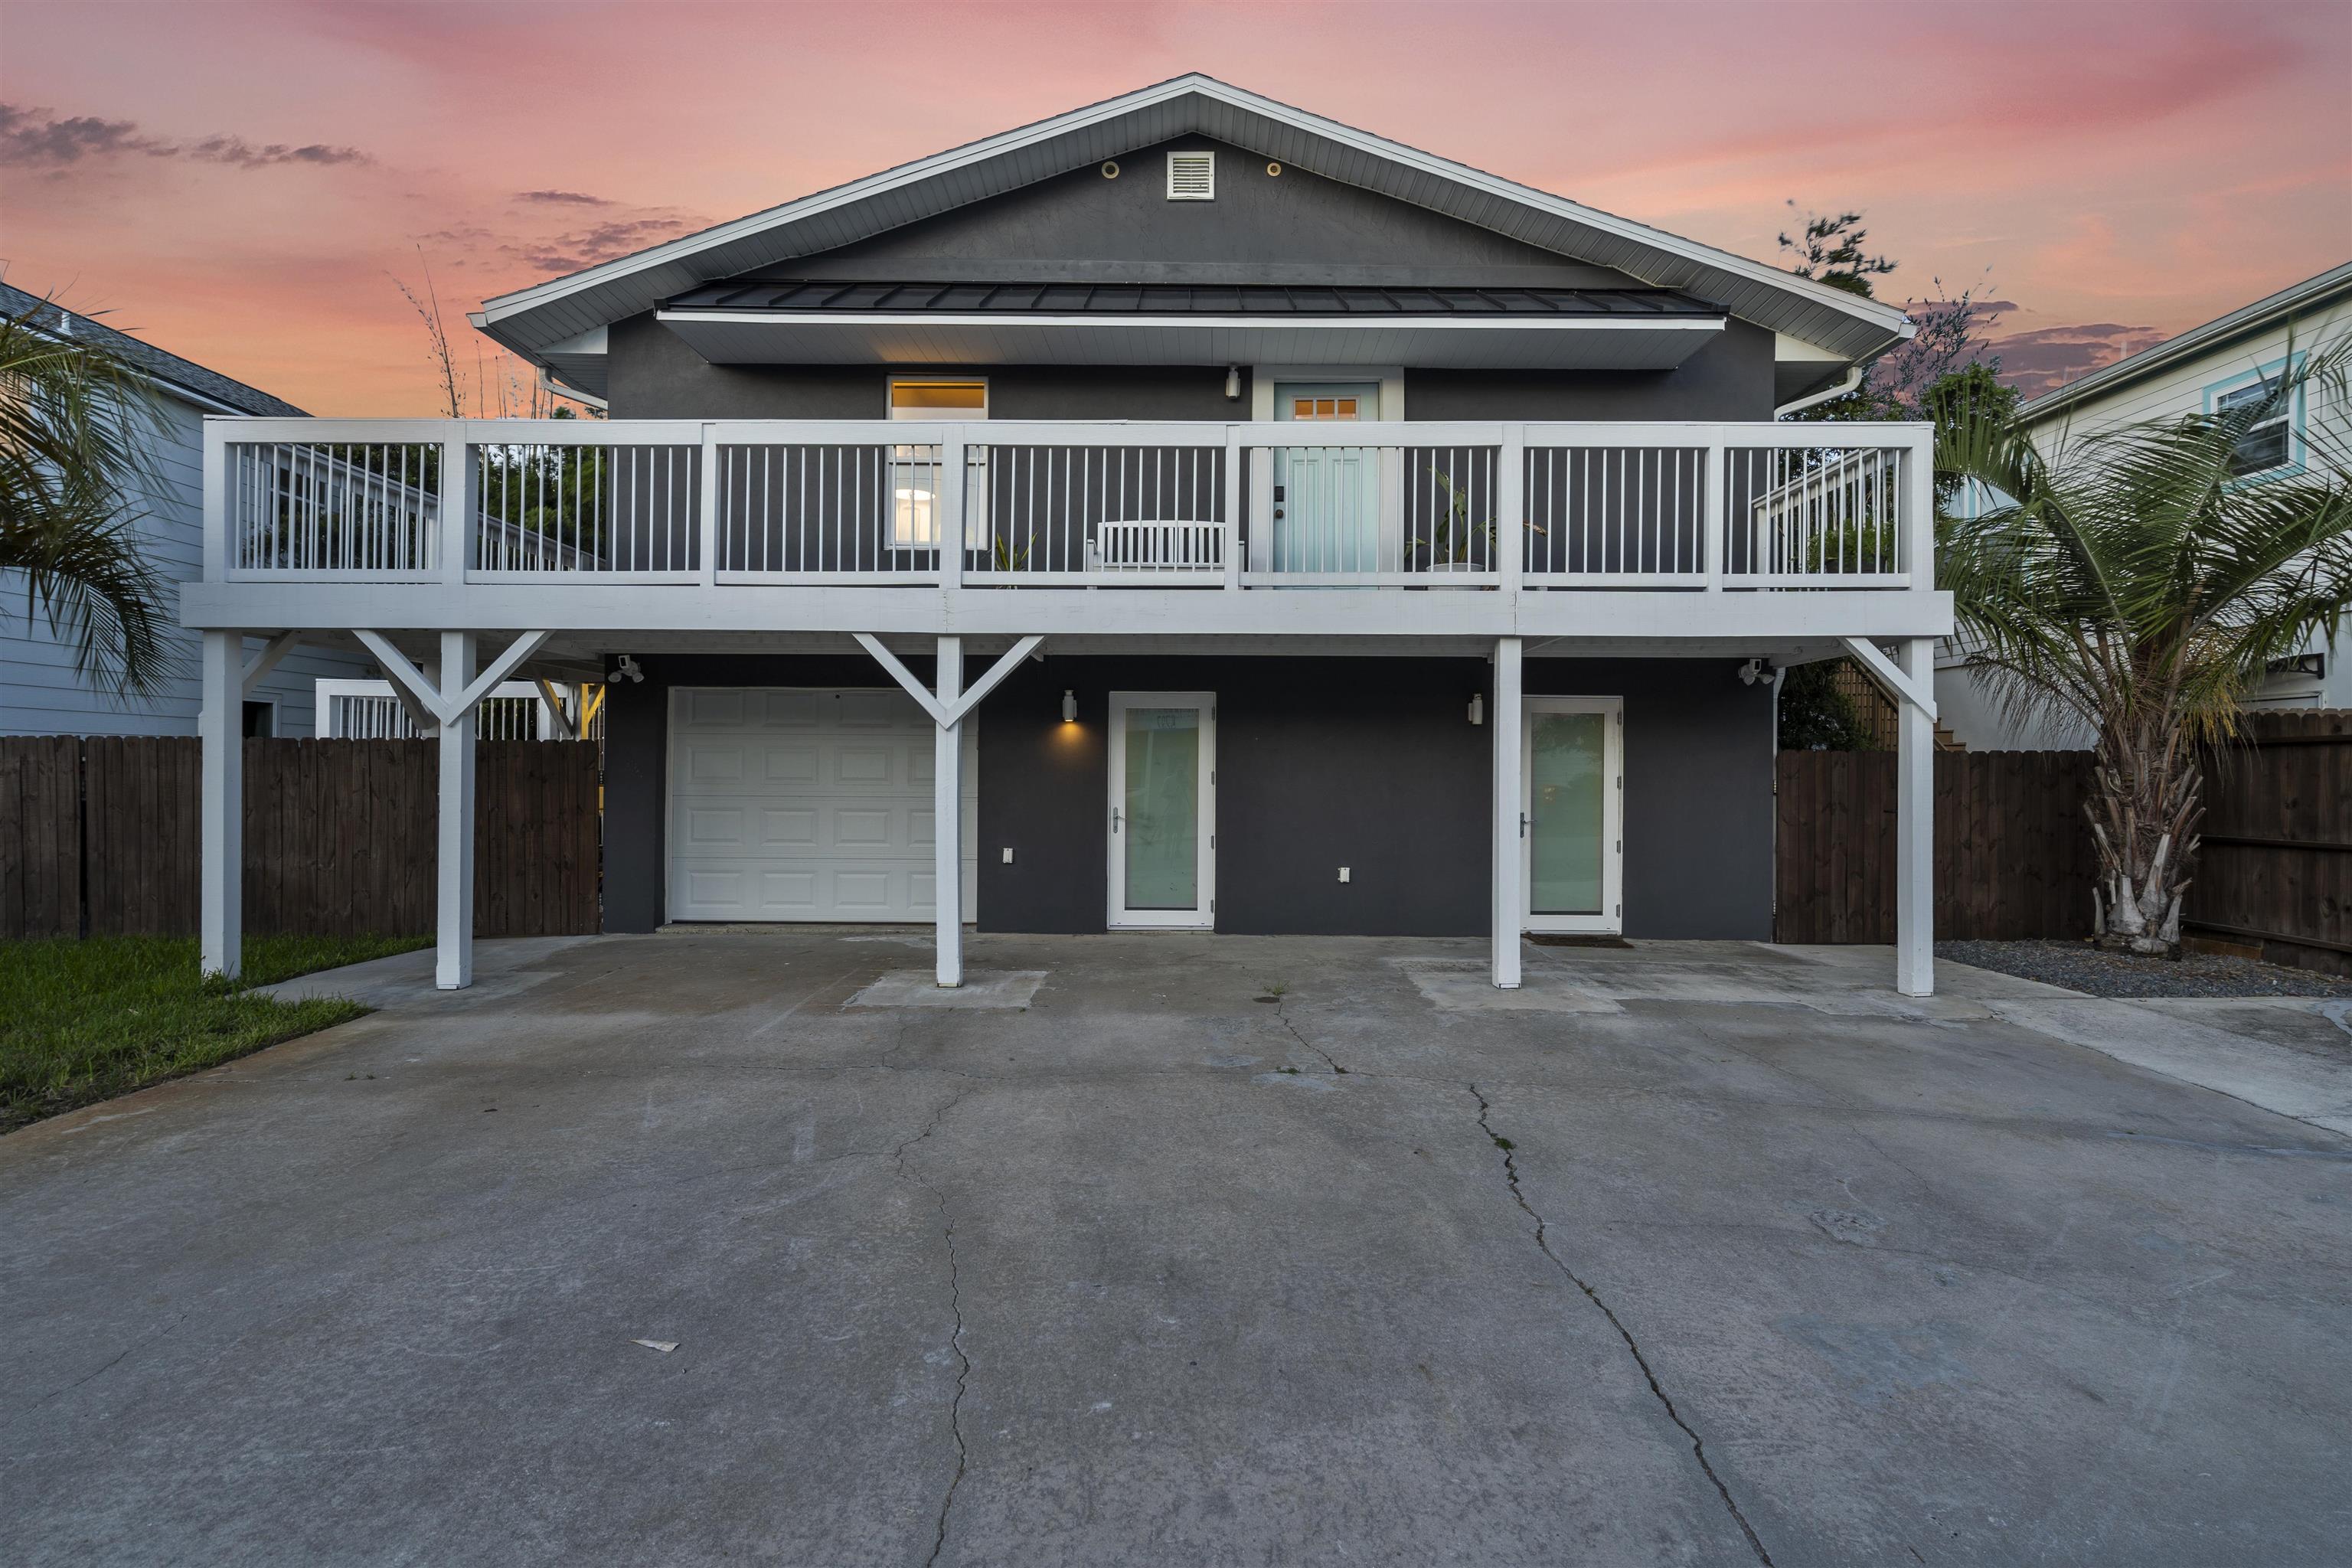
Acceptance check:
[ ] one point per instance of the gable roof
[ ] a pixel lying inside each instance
(532, 321)
(176, 374)
(2218, 334)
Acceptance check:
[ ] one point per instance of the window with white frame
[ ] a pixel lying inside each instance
(915, 468)
(2269, 442)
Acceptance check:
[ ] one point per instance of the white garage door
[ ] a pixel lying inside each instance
(792, 805)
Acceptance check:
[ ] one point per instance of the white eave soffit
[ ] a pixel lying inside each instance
(534, 319)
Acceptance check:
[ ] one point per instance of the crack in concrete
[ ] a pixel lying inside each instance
(1543, 1244)
(955, 1310)
(1282, 1011)
(119, 1358)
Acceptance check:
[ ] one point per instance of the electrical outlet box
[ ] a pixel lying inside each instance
(1008, 854)
(1343, 873)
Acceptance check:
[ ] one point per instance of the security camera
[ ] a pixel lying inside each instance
(629, 669)
(1754, 671)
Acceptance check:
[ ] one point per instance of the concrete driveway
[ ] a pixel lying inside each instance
(1218, 1251)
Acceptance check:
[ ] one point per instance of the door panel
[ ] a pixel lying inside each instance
(1326, 501)
(1573, 844)
(1163, 812)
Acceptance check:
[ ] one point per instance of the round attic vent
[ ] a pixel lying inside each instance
(1110, 171)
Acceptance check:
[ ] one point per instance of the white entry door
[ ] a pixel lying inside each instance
(787, 804)
(1572, 851)
(1163, 813)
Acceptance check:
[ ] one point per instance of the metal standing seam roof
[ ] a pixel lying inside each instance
(144, 356)
(800, 296)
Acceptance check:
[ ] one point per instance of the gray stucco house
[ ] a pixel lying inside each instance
(1343, 539)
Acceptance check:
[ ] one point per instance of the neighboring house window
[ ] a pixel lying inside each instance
(2269, 444)
(915, 469)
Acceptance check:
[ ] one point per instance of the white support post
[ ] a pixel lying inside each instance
(453, 967)
(1510, 821)
(1914, 829)
(221, 894)
(456, 503)
(947, 816)
(1920, 509)
(1510, 508)
(1715, 516)
(1233, 541)
(954, 491)
(707, 507)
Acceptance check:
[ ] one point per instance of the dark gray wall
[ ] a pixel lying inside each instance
(1369, 763)
(654, 375)
(1299, 227)
(1081, 226)
(1731, 378)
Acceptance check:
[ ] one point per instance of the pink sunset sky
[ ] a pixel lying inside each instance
(241, 184)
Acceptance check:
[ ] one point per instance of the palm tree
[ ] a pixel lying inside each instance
(77, 427)
(2135, 580)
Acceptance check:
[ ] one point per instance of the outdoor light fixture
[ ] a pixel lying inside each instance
(629, 669)
(1477, 708)
(1232, 383)
(1754, 671)
(1070, 707)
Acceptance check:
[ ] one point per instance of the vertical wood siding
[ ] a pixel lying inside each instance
(2013, 855)
(339, 836)
(2276, 867)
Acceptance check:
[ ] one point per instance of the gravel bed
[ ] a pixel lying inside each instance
(2078, 966)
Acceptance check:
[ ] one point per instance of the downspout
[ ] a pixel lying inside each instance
(1780, 674)
(1852, 379)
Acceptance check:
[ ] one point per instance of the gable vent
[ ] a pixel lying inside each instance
(1191, 176)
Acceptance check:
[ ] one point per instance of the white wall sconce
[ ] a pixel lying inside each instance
(1477, 708)
(1070, 707)
(1232, 383)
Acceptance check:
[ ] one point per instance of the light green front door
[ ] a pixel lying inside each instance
(1327, 499)
(1162, 774)
(1574, 811)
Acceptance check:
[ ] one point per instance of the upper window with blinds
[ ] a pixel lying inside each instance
(1191, 176)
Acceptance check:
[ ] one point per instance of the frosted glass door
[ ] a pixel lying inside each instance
(1163, 767)
(1574, 805)
(1163, 808)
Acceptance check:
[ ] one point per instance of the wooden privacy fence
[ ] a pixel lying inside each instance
(2013, 855)
(339, 836)
(2276, 867)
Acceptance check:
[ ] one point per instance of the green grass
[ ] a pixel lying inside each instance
(84, 1021)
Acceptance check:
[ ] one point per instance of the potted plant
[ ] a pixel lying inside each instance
(1454, 541)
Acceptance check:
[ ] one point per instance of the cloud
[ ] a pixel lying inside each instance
(603, 242)
(2047, 358)
(561, 198)
(36, 138)
(240, 153)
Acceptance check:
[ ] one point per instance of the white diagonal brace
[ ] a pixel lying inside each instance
(396, 665)
(449, 707)
(904, 677)
(522, 648)
(1891, 679)
(259, 667)
(992, 679)
(557, 713)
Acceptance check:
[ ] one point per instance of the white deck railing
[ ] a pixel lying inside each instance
(1674, 506)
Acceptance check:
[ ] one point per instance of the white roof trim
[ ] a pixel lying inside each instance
(1673, 261)
(1285, 323)
(2213, 334)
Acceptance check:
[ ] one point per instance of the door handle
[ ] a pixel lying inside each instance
(1114, 819)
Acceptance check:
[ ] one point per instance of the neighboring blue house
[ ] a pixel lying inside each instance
(40, 693)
